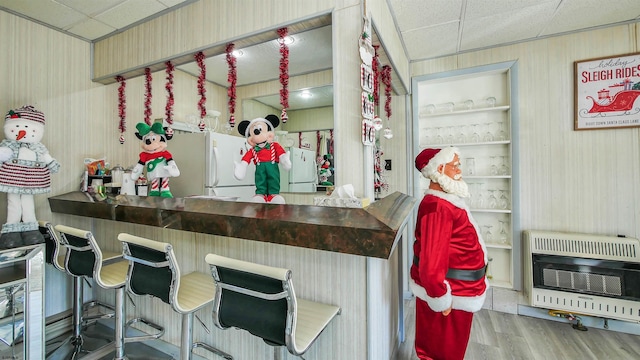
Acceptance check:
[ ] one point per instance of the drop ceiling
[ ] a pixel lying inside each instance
(428, 28)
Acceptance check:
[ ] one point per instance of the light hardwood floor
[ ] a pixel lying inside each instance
(499, 336)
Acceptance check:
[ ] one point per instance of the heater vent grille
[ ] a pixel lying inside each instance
(595, 283)
(585, 245)
(581, 291)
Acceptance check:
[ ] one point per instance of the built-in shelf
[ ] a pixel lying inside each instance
(467, 111)
(487, 139)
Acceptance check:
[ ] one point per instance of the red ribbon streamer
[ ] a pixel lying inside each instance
(147, 96)
(232, 79)
(122, 104)
(376, 76)
(284, 73)
(386, 80)
(201, 89)
(169, 86)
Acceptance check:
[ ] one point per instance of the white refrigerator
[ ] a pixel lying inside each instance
(303, 176)
(206, 162)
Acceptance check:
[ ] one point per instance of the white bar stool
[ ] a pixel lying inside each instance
(261, 300)
(79, 341)
(186, 294)
(84, 259)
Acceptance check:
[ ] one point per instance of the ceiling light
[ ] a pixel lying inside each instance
(237, 53)
(288, 40)
(306, 94)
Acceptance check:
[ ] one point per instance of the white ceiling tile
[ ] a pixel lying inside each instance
(482, 8)
(91, 29)
(505, 27)
(48, 12)
(580, 14)
(130, 12)
(415, 14)
(432, 42)
(90, 7)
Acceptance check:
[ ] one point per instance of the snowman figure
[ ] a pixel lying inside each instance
(25, 170)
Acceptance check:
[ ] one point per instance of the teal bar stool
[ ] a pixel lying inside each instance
(154, 271)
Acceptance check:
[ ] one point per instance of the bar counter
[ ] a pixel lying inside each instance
(372, 231)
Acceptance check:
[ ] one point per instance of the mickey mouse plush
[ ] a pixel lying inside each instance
(159, 162)
(266, 154)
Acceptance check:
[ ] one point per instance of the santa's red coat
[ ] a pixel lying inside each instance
(446, 237)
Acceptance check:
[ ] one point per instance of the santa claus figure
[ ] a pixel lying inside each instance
(450, 258)
(25, 170)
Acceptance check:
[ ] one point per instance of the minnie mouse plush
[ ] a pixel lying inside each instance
(266, 154)
(159, 162)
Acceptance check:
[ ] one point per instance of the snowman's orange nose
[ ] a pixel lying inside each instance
(21, 134)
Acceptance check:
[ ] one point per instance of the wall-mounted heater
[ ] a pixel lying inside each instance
(583, 274)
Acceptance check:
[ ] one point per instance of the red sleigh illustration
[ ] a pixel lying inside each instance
(620, 104)
(622, 101)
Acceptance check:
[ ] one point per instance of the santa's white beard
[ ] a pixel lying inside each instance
(451, 186)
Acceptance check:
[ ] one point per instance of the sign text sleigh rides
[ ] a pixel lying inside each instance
(607, 91)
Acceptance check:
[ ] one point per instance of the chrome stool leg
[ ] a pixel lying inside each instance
(187, 345)
(78, 342)
(120, 325)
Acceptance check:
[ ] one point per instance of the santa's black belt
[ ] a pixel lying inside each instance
(459, 274)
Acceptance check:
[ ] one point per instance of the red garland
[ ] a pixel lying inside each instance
(386, 80)
(169, 86)
(231, 78)
(201, 89)
(147, 96)
(284, 74)
(331, 141)
(376, 76)
(122, 107)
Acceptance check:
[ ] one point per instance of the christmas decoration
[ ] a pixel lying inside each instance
(201, 89)
(122, 107)
(231, 78)
(284, 74)
(156, 158)
(386, 80)
(380, 182)
(147, 96)
(22, 176)
(169, 86)
(376, 76)
(267, 155)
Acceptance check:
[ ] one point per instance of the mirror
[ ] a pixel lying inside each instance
(310, 111)
(307, 135)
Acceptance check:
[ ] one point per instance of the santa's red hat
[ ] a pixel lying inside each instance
(428, 160)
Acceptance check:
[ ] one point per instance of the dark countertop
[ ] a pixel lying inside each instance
(372, 231)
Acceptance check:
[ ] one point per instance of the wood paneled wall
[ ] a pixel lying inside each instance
(197, 26)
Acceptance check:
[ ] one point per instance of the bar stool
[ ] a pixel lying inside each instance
(186, 294)
(84, 259)
(261, 300)
(80, 341)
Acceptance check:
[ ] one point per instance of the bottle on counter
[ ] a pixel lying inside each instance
(141, 186)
